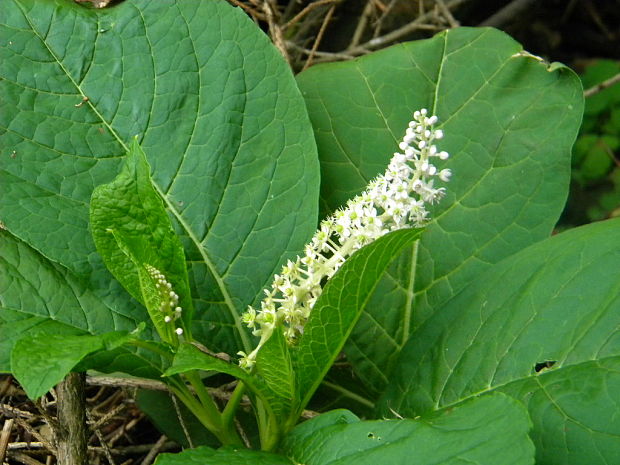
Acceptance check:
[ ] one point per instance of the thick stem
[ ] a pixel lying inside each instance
(204, 408)
(71, 432)
(228, 415)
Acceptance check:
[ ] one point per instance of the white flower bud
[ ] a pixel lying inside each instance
(445, 174)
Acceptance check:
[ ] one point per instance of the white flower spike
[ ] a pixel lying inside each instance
(169, 299)
(395, 200)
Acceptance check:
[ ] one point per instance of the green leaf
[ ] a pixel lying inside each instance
(340, 305)
(575, 411)
(490, 430)
(509, 122)
(541, 326)
(275, 367)
(218, 115)
(188, 357)
(307, 429)
(38, 296)
(208, 456)
(16, 325)
(134, 361)
(40, 362)
(131, 230)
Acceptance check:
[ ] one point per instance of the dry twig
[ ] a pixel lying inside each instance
(154, 451)
(275, 30)
(102, 441)
(4, 437)
(319, 37)
(506, 14)
(307, 10)
(361, 24)
(602, 86)
(445, 11)
(400, 32)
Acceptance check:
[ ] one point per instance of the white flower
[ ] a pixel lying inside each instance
(168, 298)
(392, 201)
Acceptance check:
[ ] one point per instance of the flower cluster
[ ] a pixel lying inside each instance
(169, 299)
(395, 200)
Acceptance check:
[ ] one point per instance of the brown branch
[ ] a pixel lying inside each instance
(257, 15)
(154, 451)
(319, 37)
(275, 30)
(4, 437)
(400, 32)
(445, 11)
(506, 13)
(307, 10)
(602, 86)
(25, 459)
(135, 449)
(328, 55)
(386, 11)
(361, 24)
(71, 431)
(7, 410)
(139, 383)
(35, 434)
(102, 442)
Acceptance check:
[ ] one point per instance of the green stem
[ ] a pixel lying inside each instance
(183, 393)
(209, 421)
(223, 431)
(152, 347)
(204, 397)
(264, 422)
(230, 410)
(349, 394)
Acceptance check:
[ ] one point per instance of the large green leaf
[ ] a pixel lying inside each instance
(216, 110)
(41, 361)
(338, 308)
(542, 326)
(38, 296)
(509, 122)
(491, 430)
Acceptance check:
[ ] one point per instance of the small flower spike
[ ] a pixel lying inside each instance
(169, 299)
(395, 200)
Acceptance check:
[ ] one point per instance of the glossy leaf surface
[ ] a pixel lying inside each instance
(217, 112)
(509, 122)
(541, 326)
(490, 430)
(338, 308)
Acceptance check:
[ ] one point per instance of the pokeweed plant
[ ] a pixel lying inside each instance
(160, 167)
